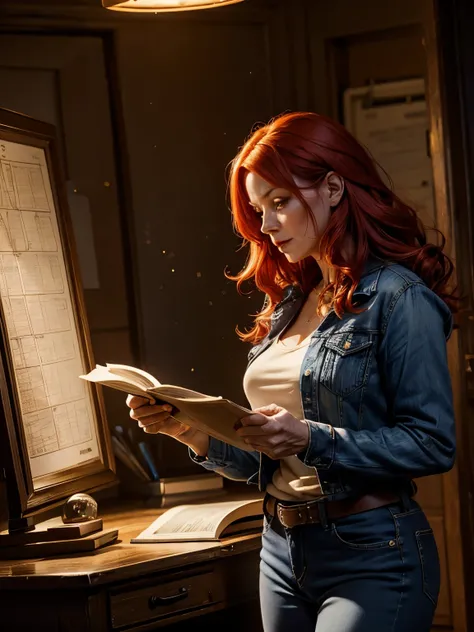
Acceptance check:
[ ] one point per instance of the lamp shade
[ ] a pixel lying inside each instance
(156, 6)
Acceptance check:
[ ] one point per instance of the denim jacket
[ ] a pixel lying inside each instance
(375, 389)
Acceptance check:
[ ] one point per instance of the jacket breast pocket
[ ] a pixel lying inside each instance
(346, 362)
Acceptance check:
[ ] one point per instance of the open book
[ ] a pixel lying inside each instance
(215, 416)
(208, 521)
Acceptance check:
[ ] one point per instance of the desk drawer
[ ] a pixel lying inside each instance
(167, 597)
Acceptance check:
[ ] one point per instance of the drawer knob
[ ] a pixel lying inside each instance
(155, 602)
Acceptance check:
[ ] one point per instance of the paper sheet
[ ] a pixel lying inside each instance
(393, 127)
(56, 406)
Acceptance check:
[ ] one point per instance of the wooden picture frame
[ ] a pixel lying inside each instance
(54, 435)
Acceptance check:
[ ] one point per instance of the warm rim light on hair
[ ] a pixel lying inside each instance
(156, 6)
(307, 146)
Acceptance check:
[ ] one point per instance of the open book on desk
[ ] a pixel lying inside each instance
(215, 416)
(206, 521)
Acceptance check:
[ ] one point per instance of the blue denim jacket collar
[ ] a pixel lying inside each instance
(293, 295)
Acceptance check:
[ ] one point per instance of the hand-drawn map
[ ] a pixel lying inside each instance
(56, 406)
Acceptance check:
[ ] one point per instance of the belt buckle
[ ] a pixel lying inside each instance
(279, 511)
(302, 511)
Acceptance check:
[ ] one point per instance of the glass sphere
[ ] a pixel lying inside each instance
(79, 508)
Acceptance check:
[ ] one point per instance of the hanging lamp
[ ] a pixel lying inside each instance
(157, 6)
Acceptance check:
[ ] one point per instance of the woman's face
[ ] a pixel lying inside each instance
(286, 220)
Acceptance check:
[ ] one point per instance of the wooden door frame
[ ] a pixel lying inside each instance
(450, 173)
(448, 53)
(337, 59)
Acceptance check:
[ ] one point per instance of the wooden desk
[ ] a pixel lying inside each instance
(133, 587)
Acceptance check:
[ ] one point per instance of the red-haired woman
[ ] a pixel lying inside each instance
(347, 379)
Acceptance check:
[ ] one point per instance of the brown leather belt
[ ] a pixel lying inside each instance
(310, 513)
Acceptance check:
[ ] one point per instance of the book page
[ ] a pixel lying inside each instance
(215, 416)
(198, 522)
(56, 407)
(179, 392)
(139, 376)
(102, 375)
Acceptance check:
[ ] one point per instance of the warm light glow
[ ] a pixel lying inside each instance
(157, 6)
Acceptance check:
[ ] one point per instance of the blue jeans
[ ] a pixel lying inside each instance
(377, 571)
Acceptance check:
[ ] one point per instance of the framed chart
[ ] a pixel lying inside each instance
(55, 437)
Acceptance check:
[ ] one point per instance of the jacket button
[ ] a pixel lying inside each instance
(307, 372)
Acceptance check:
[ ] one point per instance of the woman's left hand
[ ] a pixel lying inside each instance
(274, 431)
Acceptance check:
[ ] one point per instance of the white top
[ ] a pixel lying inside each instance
(274, 378)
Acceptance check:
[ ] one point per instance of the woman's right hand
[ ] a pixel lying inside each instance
(155, 418)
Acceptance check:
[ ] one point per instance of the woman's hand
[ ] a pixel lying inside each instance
(156, 418)
(275, 432)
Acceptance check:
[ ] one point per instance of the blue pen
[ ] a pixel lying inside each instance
(146, 461)
(145, 450)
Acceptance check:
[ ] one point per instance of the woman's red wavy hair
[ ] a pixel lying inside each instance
(308, 146)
